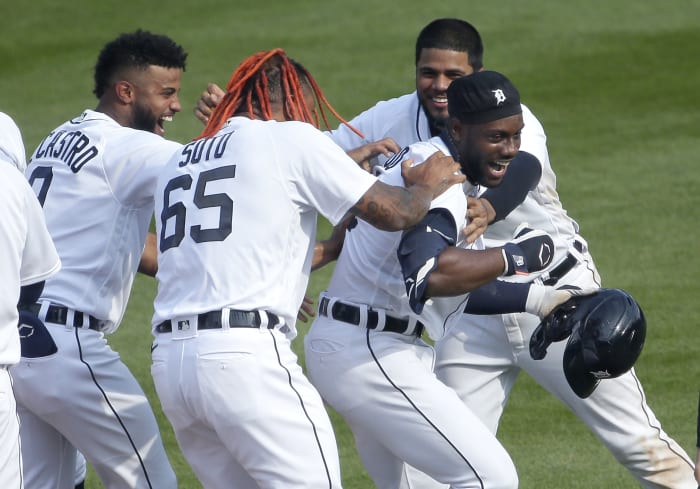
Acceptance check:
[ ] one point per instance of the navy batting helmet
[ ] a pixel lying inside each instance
(606, 332)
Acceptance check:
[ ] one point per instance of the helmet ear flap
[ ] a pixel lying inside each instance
(577, 357)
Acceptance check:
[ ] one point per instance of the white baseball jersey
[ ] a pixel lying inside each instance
(238, 220)
(27, 256)
(11, 145)
(95, 180)
(368, 270)
(382, 382)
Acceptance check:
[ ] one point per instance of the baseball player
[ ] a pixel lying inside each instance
(12, 151)
(449, 48)
(481, 356)
(659, 462)
(27, 258)
(236, 219)
(364, 352)
(95, 176)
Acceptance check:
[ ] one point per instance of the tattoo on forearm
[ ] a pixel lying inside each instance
(393, 207)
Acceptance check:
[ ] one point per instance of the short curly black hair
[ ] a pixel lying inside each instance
(139, 49)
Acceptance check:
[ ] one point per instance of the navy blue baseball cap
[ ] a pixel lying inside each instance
(483, 96)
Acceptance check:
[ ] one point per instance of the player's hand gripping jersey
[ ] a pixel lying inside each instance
(368, 270)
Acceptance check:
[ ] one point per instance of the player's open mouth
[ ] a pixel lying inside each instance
(499, 167)
(439, 100)
(163, 120)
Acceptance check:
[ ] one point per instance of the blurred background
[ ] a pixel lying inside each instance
(615, 84)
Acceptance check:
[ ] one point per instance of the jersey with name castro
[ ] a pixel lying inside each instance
(236, 217)
(95, 180)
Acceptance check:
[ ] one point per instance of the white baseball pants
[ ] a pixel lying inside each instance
(382, 383)
(243, 412)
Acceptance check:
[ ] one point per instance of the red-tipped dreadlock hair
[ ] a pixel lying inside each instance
(266, 78)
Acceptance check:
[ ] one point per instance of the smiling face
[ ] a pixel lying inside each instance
(485, 150)
(435, 70)
(155, 98)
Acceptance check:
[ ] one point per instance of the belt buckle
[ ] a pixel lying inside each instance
(265, 320)
(235, 318)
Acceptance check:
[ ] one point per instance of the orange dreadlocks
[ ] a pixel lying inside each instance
(269, 77)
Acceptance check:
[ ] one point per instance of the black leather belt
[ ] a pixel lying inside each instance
(59, 315)
(564, 267)
(349, 313)
(212, 320)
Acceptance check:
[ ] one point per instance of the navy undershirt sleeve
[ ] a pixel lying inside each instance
(523, 174)
(497, 297)
(29, 294)
(418, 251)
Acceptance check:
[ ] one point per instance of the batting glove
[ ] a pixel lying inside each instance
(553, 306)
(542, 299)
(530, 250)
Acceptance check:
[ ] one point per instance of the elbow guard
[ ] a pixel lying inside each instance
(418, 252)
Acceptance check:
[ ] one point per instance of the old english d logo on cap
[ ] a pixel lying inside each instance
(482, 97)
(500, 96)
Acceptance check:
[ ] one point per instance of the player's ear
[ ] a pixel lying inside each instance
(455, 128)
(124, 91)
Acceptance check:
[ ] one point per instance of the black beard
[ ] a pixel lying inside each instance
(454, 151)
(144, 120)
(436, 125)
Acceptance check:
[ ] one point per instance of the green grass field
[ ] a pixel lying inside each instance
(613, 82)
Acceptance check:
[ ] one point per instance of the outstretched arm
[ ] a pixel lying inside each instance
(393, 208)
(433, 266)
